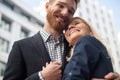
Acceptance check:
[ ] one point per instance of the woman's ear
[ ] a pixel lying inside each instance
(91, 33)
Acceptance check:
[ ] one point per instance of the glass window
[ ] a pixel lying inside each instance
(5, 24)
(108, 40)
(8, 4)
(24, 33)
(105, 29)
(96, 17)
(117, 53)
(2, 68)
(94, 7)
(0, 23)
(4, 45)
(89, 19)
(87, 10)
(113, 34)
(0, 41)
(98, 25)
(86, 1)
(25, 16)
(110, 23)
(119, 62)
(103, 20)
(101, 11)
(80, 13)
(40, 24)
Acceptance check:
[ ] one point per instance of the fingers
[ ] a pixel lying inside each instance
(52, 71)
(116, 76)
(97, 79)
(109, 76)
(112, 75)
(56, 62)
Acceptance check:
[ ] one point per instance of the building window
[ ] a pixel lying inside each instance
(103, 20)
(24, 33)
(25, 16)
(105, 29)
(86, 2)
(2, 68)
(5, 24)
(94, 8)
(96, 17)
(87, 9)
(119, 63)
(80, 14)
(113, 34)
(110, 23)
(4, 45)
(108, 41)
(89, 19)
(115, 43)
(8, 4)
(101, 11)
(40, 24)
(98, 27)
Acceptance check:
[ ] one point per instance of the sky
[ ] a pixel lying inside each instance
(113, 5)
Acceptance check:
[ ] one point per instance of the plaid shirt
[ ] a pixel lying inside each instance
(54, 48)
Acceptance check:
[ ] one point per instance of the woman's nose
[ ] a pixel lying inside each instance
(71, 26)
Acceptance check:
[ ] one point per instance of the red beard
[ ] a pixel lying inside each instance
(54, 23)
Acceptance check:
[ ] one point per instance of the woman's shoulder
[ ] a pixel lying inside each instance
(88, 39)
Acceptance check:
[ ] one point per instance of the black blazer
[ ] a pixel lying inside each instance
(27, 58)
(90, 60)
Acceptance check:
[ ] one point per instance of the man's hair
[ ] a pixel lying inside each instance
(76, 1)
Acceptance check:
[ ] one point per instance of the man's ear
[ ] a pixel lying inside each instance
(47, 6)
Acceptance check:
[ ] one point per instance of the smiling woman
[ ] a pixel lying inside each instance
(89, 57)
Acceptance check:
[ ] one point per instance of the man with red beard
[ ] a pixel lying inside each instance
(28, 56)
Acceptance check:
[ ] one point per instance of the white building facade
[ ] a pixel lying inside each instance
(103, 22)
(16, 22)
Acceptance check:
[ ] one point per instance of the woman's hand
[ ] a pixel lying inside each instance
(112, 75)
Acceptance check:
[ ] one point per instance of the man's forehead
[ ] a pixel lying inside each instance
(70, 3)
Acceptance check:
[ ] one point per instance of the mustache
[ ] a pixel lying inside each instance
(65, 18)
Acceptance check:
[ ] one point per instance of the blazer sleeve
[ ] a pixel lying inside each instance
(85, 57)
(15, 69)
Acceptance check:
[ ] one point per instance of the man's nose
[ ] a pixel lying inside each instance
(65, 12)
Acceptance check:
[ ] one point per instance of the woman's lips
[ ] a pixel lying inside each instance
(72, 31)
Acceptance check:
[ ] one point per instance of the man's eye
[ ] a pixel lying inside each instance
(61, 6)
(70, 11)
(76, 23)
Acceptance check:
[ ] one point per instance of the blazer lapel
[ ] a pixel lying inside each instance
(66, 52)
(40, 47)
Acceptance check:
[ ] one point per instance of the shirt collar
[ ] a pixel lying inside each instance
(45, 35)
